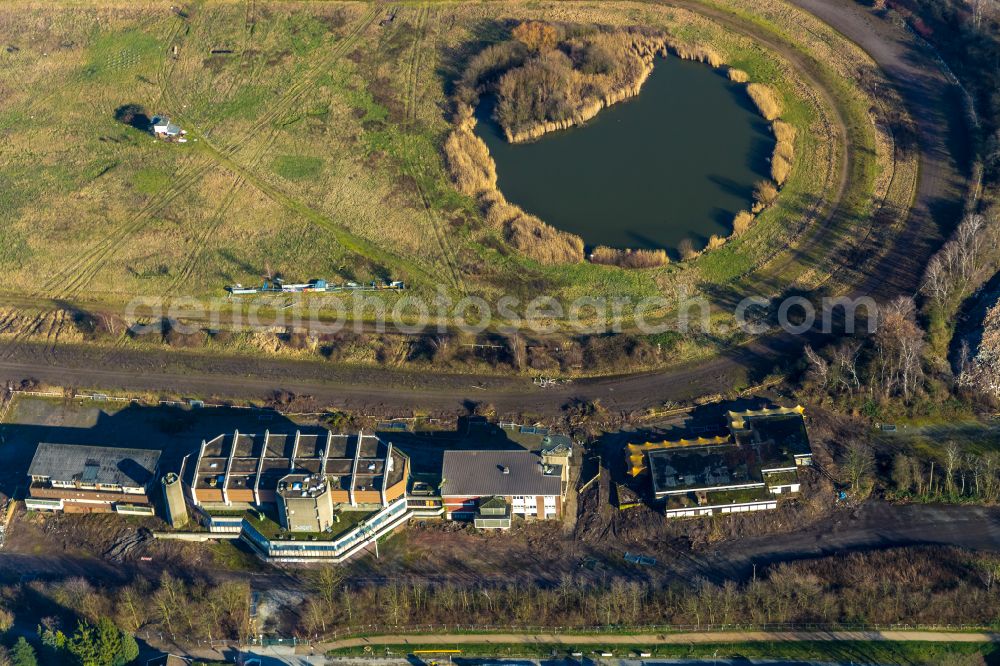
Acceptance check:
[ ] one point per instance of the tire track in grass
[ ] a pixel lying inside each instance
(263, 148)
(226, 156)
(202, 238)
(412, 167)
(78, 274)
(80, 267)
(249, 25)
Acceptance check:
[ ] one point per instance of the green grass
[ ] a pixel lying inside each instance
(297, 167)
(231, 555)
(268, 527)
(150, 180)
(335, 185)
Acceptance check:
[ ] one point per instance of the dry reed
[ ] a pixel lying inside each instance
(783, 131)
(764, 194)
(610, 256)
(715, 242)
(686, 250)
(738, 75)
(766, 100)
(469, 162)
(698, 52)
(780, 168)
(543, 243)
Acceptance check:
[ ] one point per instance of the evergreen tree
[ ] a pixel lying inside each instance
(23, 654)
(103, 644)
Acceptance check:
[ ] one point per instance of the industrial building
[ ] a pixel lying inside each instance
(89, 479)
(746, 470)
(488, 487)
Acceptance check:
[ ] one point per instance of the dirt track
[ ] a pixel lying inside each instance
(935, 104)
(366, 390)
(930, 99)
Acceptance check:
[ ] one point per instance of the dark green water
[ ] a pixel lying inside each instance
(677, 161)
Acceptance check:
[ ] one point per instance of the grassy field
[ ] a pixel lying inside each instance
(314, 150)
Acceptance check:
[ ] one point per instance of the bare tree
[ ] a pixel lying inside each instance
(859, 465)
(845, 357)
(899, 343)
(952, 457)
(818, 367)
(902, 472)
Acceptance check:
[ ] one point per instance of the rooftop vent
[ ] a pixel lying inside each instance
(505, 469)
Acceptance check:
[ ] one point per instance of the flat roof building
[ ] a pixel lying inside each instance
(472, 480)
(85, 478)
(304, 503)
(242, 470)
(743, 471)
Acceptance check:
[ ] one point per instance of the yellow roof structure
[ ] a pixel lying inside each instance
(635, 454)
(737, 420)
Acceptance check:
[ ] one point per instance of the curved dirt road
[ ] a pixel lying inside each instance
(935, 104)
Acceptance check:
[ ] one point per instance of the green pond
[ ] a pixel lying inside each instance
(677, 161)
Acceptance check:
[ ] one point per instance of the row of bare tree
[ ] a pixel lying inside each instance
(906, 586)
(961, 261)
(959, 474)
(887, 364)
(918, 586)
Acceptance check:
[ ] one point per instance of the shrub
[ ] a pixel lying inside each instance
(486, 67)
(135, 116)
(610, 256)
(543, 243)
(547, 78)
(742, 222)
(715, 242)
(686, 250)
(738, 75)
(6, 620)
(766, 100)
(23, 654)
(537, 35)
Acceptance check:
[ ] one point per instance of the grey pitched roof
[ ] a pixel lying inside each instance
(480, 473)
(103, 465)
